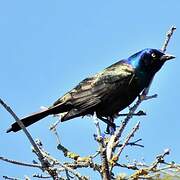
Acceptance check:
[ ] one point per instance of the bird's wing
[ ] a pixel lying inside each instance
(91, 91)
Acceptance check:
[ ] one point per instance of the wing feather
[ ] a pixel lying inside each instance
(91, 91)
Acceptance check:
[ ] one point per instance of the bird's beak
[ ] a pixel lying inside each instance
(166, 57)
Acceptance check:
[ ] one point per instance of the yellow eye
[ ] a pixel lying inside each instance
(153, 55)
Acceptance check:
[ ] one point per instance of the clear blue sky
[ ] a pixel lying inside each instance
(47, 47)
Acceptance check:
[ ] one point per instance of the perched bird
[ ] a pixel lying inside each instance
(108, 92)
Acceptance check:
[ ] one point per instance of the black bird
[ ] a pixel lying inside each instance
(108, 92)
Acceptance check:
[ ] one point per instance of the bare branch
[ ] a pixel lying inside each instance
(115, 158)
(152, 170)
(130, 135)
(40, 156)
(118, 133)
(44, 162)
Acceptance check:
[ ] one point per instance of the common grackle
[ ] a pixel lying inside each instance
(107, 92)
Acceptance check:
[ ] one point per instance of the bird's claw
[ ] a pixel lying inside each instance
(110, 129)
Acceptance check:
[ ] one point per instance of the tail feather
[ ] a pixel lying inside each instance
(29, 120)
(39, 115)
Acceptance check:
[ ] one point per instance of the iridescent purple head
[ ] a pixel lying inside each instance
(149, 60)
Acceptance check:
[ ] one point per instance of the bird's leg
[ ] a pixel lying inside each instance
(111, 126)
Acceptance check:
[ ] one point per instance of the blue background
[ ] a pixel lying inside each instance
(47, 47)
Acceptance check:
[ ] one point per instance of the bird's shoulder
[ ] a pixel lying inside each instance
(120, 66)
(115, 72)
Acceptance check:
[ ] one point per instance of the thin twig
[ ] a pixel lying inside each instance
(130, 135)
(139, 113)
(72, 171)
(134, 143)
(77, 165)
(67, 175)
(10, 178)
(94, 155)
(53, 129)
(20, 163)
(40, 176)
(168, 37)
(144, 172)
(54, 125)
(105, 166)
(160, 159)
(133, 167)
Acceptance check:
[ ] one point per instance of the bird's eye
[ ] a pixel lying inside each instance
(153, 55)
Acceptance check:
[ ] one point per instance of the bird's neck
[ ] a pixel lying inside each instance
(143, 75)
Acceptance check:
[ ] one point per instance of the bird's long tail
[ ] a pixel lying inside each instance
(29, 120)
(38, 116)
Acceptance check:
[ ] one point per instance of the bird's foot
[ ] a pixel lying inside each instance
(110, 129)
(111, 126)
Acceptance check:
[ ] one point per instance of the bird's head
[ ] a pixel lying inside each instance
(149, 60)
